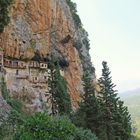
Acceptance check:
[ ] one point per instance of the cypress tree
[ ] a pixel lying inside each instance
(61, 92)
(60, 98)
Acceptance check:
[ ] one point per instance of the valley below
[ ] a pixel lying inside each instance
(132, 100)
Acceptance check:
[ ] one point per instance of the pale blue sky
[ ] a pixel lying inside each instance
(114, 33)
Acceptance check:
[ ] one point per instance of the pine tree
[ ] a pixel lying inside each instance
(88, 115)
(116, 118)
(124, 120)
(60, 98)
(61, 93)
(108, 99)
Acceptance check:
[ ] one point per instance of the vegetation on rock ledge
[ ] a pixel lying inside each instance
(75, 16)
(4, 17)
(60, 97)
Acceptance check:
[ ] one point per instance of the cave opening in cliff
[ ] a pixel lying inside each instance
(66, 39)
(63, 63)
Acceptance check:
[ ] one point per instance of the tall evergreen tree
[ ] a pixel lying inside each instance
(116, 117)
(108, 98)
(88, 115)
(60, 98)
(124, 119)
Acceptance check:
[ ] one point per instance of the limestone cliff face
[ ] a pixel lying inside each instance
(41, 27)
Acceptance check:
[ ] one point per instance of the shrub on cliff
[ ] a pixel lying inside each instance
(41, 126)
(4, 18)
(14, 117)
(84, 134)
(75, 16)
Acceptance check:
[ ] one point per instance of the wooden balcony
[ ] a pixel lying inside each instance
(14, 64)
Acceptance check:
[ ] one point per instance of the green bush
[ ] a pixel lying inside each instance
(75, 16)
(134, 138)
(4, 18)
(82, 134)
(43, 127)
(15, 116)
(14, 103)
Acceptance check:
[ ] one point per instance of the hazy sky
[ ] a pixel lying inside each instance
(114, 33)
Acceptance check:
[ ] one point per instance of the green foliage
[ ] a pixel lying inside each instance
(43, 127)
(60, 98)
(108, 100)
(4, 18)
(9, 126)
(78, 46)
(125, 120)
(15, 117)
(33, 43)
(134, 138)
(136, 126)
(76, 18)
(116, 118)
(61, 93)
(4, 90)
(133, 103)
(105, 114)
(83, 134)
(14, 103)
(86, 43)
(6, 132)
(85, 116)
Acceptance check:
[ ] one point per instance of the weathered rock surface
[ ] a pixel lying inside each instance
(42, 26)
(4, 110)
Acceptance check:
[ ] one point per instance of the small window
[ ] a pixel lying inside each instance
(15, 63)
(35, 78)
(17, 72)
(42, 65)
(45, 77)
(10, 62)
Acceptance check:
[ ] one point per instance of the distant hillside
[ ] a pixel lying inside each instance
(130, 93)
(132, 100)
